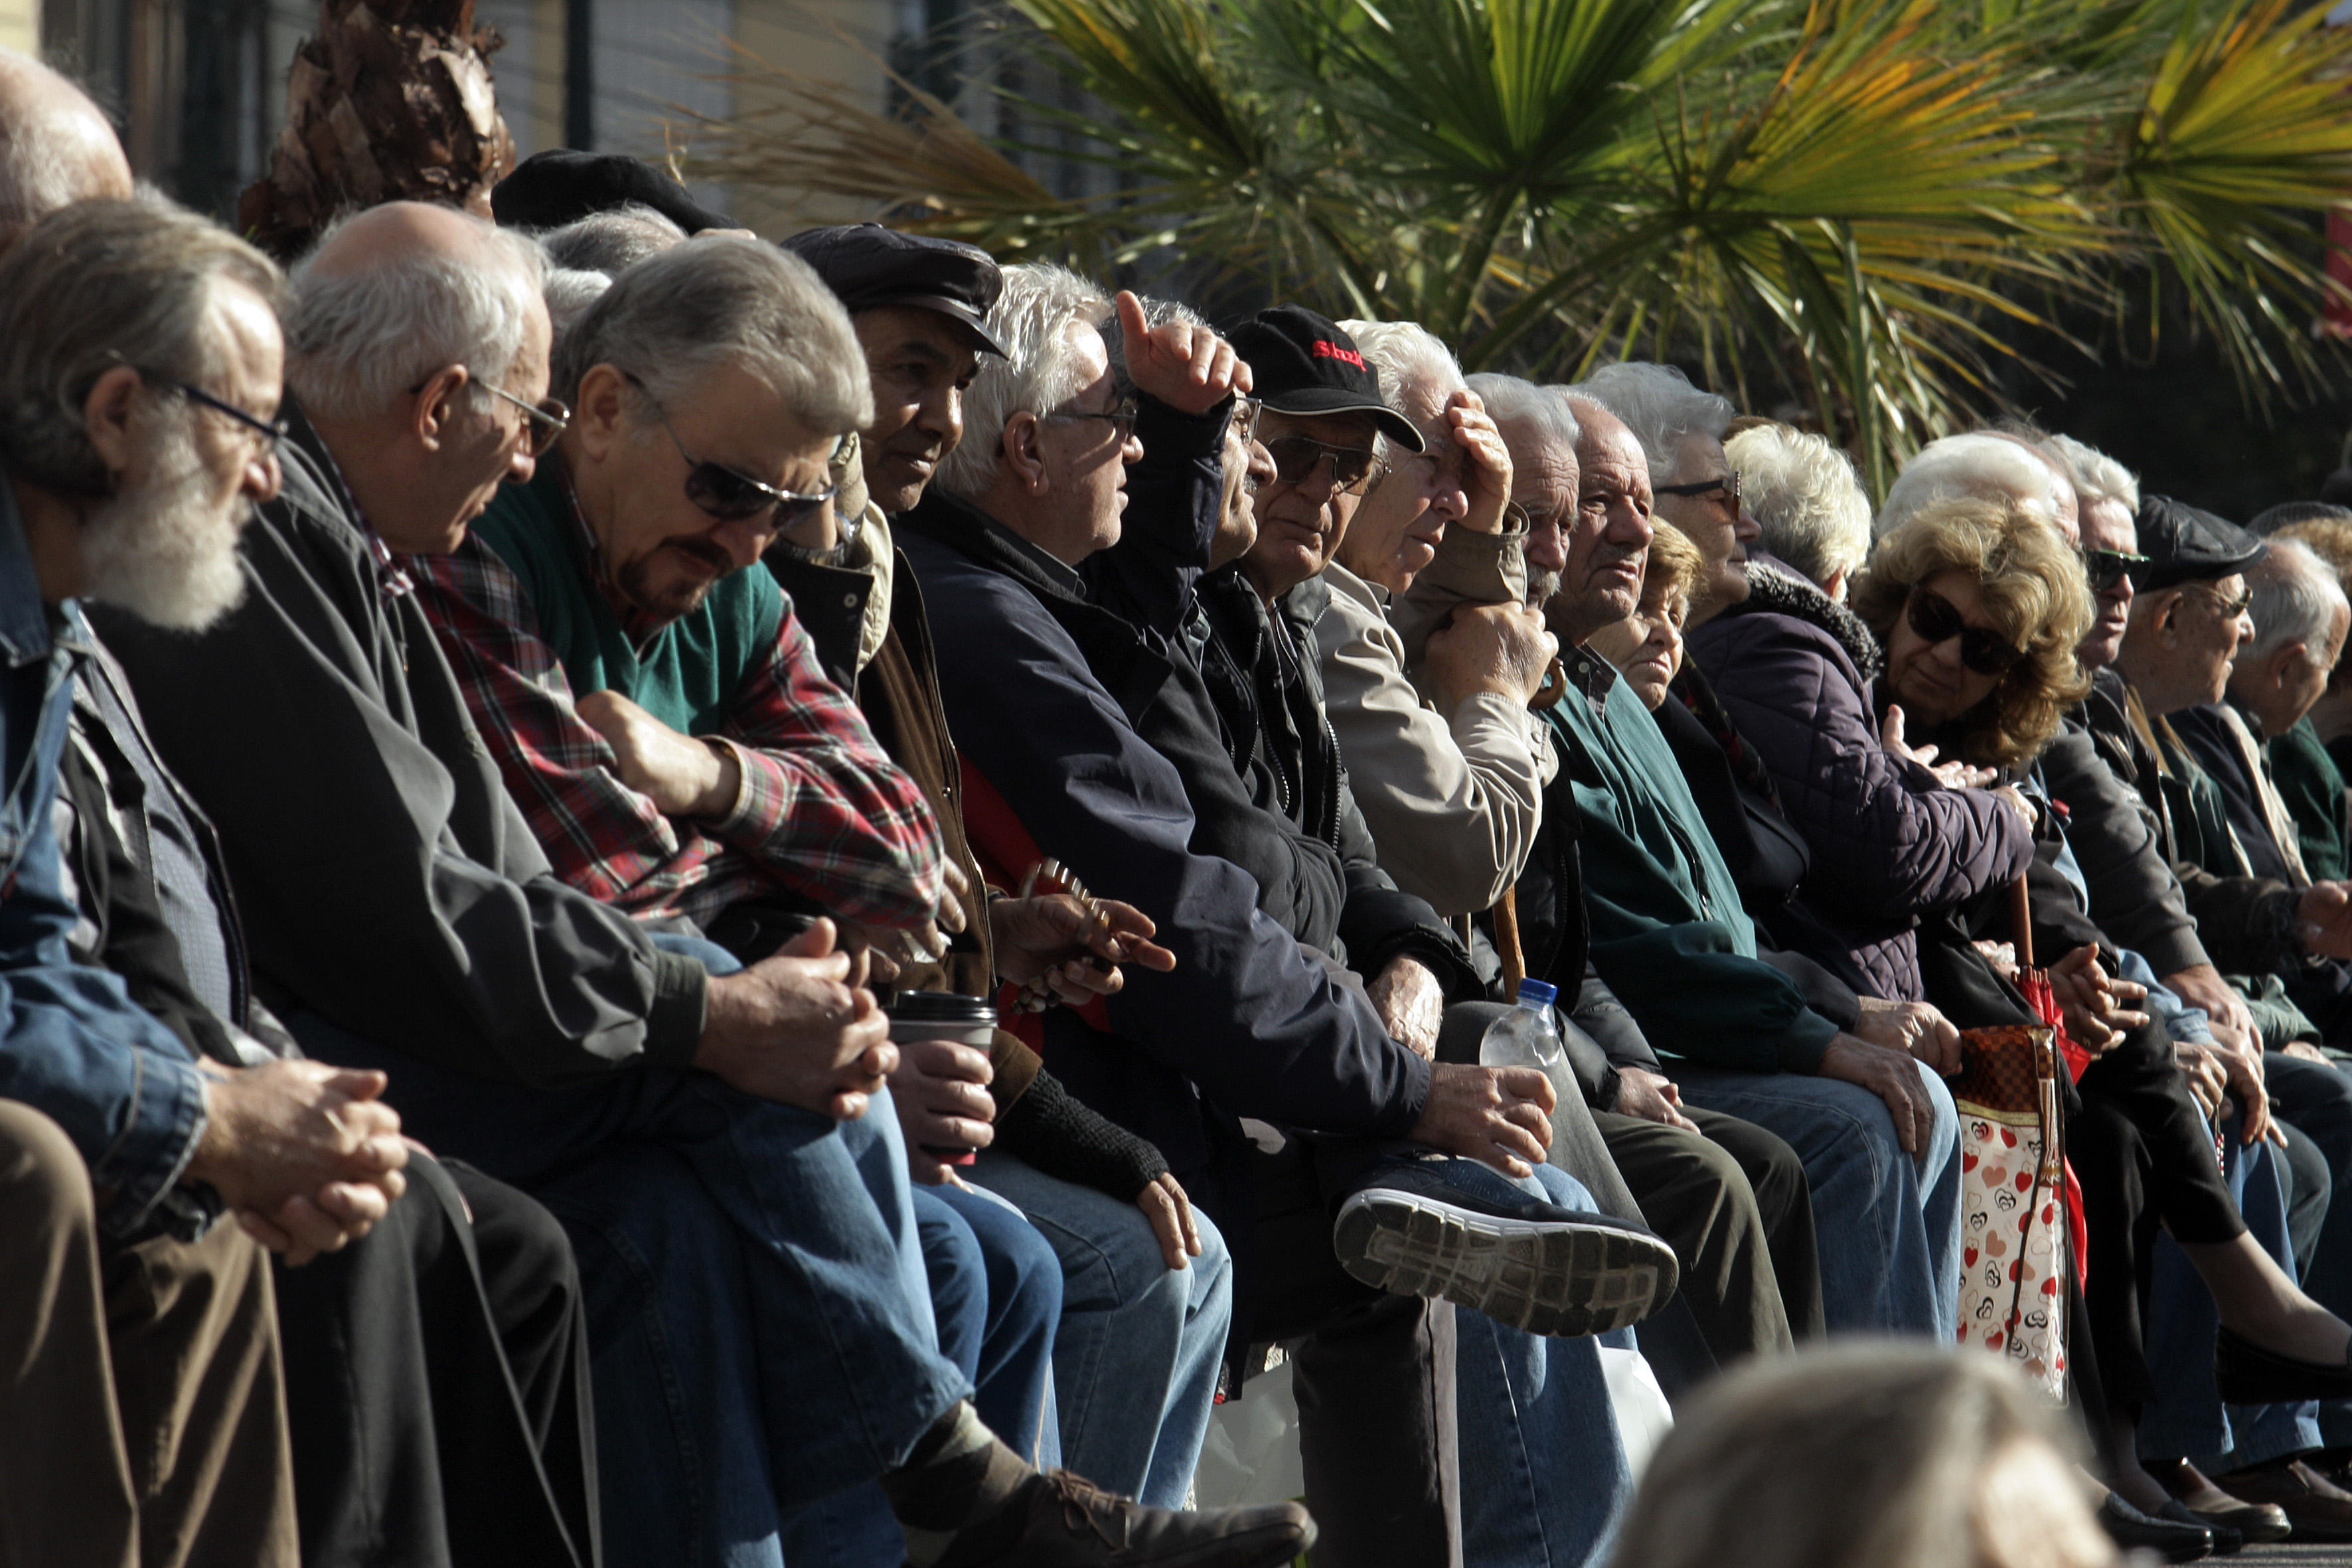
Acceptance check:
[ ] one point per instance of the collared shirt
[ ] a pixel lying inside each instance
(72, 1043)
(819, 809)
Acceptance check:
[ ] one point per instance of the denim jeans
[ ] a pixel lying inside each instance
(2187, 1419)
(1544, 1477)
(1889, 1223)
(996, 1290)
(755, 1340)
(2316, 1097)
(1136, 1357)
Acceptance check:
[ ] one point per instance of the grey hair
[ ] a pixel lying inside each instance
(1033, 318)
(99, 285)
(1507, 397)
(1406, 354)
(39, 171)
(609, 242)
(2095, 476)
(1806, 494)
(569, 292)
(1976, 464)
(357, 341)
(2297, 598)
(673, 319)
(1660, 406)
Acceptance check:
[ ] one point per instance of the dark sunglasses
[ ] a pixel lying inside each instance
(731, 497)
(2107, 568)
(1728, 484)
(1298, 458)
(1936, 621)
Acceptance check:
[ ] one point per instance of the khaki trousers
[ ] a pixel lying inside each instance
(143, 1416)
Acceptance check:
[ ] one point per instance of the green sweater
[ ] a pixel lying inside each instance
(685, 673)
(2312, 789)
(1669, 932)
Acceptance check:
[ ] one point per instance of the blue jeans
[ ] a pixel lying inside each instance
(1135, 1360)
(755, 1340)
(1889, 1223)
(1544, 1477)
(2317, 1099)
(2187, 1419)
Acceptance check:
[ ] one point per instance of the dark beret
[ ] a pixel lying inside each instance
(558, 187)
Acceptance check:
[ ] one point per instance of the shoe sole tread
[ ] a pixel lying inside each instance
(1552, 1279)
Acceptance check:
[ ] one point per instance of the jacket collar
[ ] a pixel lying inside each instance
(965, 528)
(24, 619)
(1774, 590)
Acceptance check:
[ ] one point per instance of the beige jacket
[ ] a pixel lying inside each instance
(1452, 802)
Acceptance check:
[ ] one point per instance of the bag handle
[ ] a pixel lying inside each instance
(2021, 920)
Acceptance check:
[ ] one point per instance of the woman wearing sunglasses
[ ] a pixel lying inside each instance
(1962, 630)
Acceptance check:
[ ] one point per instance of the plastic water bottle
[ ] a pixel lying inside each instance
(1525, 1037)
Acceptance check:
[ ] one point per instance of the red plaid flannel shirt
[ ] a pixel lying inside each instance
(821, 810)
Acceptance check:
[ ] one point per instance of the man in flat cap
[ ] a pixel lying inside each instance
(1147, 1287)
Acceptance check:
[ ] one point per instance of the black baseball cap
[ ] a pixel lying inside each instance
(870, 265)
(558, 187)
(2188, 544)
(1301, 363)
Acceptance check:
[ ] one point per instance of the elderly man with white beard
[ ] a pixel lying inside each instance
(137, 385)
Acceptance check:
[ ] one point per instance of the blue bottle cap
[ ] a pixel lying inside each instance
(1541, 993)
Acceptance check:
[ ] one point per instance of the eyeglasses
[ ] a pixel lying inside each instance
(1121, 415)
(731, 497)
(272, 431)
(2231, 609)
(1245, 420)
(545, 420)
(1727, 483)
(1936, 620)
(1298, 458)
(2107, 568)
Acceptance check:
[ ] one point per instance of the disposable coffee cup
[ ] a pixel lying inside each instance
(944, 1015)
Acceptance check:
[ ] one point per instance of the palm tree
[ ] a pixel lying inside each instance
(1853, 207)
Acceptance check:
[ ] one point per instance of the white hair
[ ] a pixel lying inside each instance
(1660, 406)
(674, 318)
(1406, 354)
(611, 241)
(1037, 318)
(1977, 464)
(1806, 494)
(2297, 597)
(2095, 476)
(1507, 397)
(358, 341)
(569, 291)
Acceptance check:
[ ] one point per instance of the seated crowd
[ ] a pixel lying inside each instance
(671, 899)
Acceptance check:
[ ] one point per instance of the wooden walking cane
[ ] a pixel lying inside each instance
(1507, 908)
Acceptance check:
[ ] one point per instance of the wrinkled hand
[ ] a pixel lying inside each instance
(308, 1155)
(682, 776)
(2243, 1071)
(1411, 1004)
(891, 950)
(1914, 1027)
(799, 1028)
(1498, 1115)
(2324, 920)
(2226, 1013)
(1487, 482)
(1646, 1094)
(1501, 649)
(2099, 1008)
(2208, 1081)
(1051, 935)
(941, 1090)
(1189, 368)
(1893, 1077)
(1954, 774)
(1169, 1212)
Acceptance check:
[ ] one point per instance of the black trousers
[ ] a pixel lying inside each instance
(1731, 1201)
(2144, 1155)
(437, 1386)
(1373, 1374)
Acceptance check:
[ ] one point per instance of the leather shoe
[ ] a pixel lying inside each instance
(1072, 1523)
(2130, 1529)
(2227, 1542)
(2245, 1373)
(2317, 1509)
(2258, 1522)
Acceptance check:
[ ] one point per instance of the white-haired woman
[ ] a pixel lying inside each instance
(1807, 500)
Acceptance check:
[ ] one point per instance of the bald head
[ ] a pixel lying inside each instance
(400, 234)
(56, 148)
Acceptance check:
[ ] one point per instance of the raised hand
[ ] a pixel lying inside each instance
(1189, 368)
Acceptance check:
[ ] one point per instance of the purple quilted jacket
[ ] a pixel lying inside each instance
(1889, 843)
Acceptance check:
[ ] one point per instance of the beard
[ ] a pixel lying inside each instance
(1542, 586)
(166, 551)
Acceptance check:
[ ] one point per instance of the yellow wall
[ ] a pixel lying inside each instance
(20, 25)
